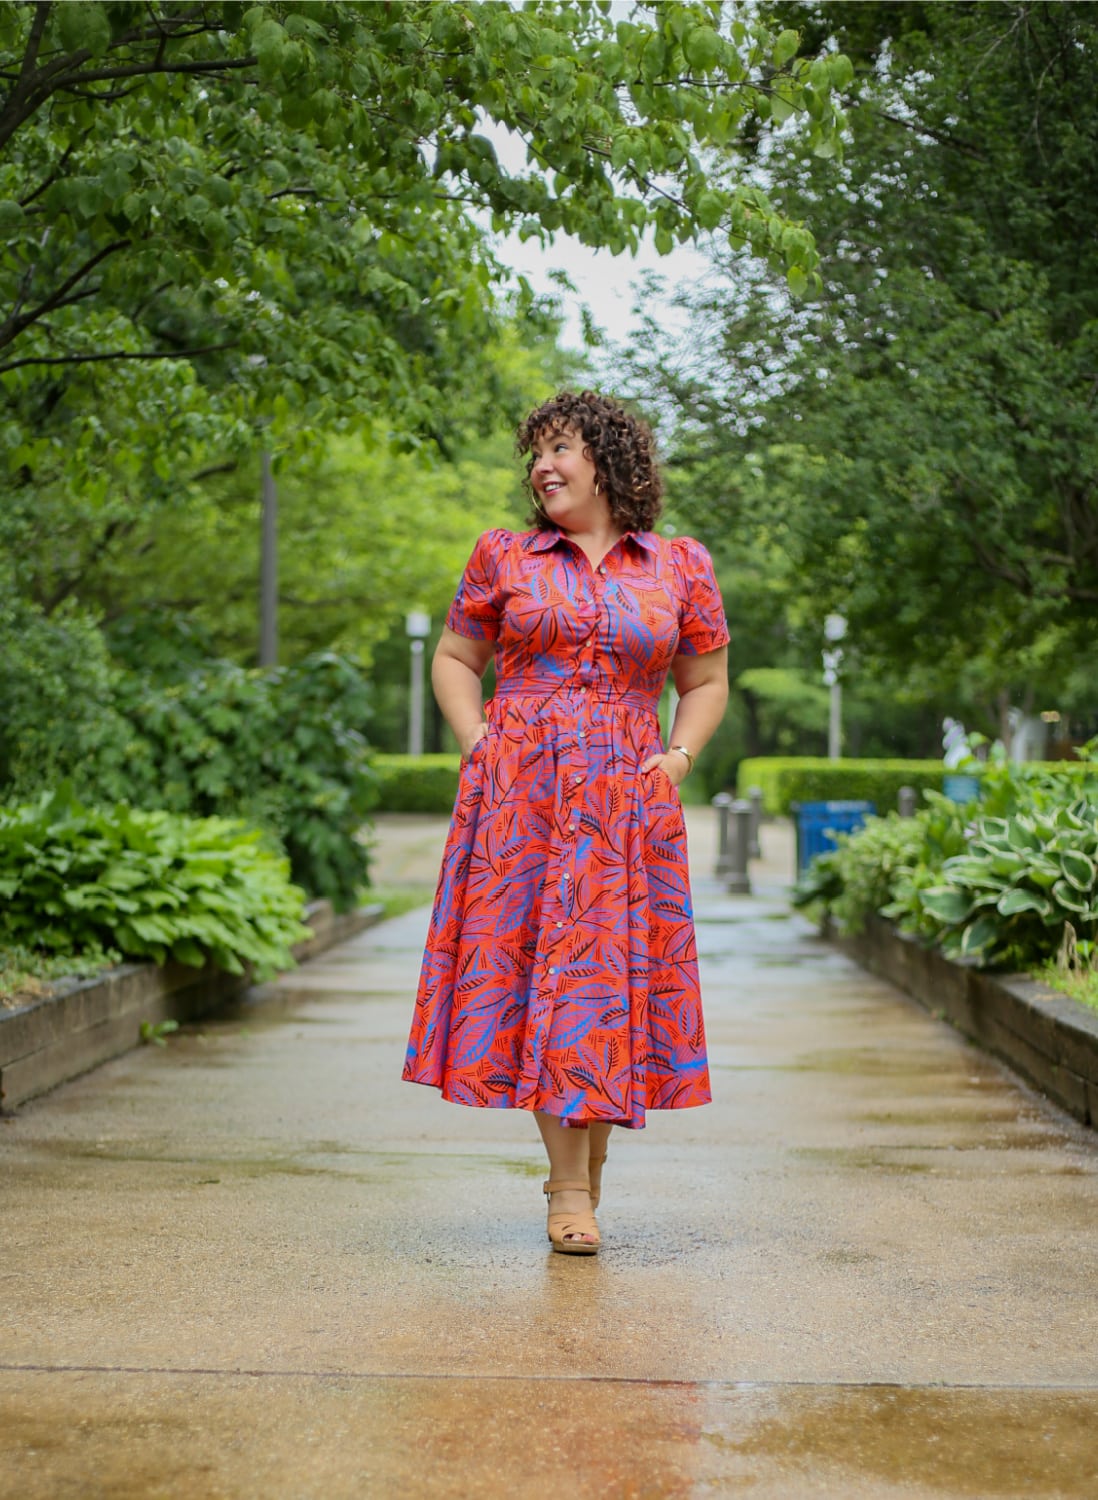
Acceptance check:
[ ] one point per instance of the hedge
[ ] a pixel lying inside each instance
(787, 779)
(416, 783)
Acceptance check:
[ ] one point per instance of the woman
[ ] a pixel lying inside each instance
(560, 974)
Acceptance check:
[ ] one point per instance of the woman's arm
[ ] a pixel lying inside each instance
(702, 685)
(458, 665)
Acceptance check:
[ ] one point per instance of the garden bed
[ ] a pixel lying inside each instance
(1042, 1034)
(80, 1023)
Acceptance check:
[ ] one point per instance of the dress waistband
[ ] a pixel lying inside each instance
(576, 694)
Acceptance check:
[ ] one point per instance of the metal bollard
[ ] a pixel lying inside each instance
(755, 797)
(738, 882)
(906, 801)
(722, 802)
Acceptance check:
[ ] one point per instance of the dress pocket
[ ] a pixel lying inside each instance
(658, 791)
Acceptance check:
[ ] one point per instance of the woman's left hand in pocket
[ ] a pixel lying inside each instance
(673, 765)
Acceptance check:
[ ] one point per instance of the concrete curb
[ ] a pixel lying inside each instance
(81, 1023)
(1043, 1035)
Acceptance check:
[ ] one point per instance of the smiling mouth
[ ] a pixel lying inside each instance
(551, 489)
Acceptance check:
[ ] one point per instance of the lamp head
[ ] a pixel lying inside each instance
(835, 627)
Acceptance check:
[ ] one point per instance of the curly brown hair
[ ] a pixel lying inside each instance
(620, 445)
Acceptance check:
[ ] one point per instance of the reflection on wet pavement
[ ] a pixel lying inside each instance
(253, 1263)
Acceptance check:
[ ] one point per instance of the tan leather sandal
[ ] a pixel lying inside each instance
(596, 1190)
(562, 1224)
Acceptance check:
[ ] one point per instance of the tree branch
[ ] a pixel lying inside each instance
(34, 40)
(62, 163)
(229, 467)
(92, 359)
(34, 88)
(918, 127)
(143, 70)
(13, 326)
(74, 580)
(1020, 581)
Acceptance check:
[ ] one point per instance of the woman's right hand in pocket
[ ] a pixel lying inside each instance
(471, 738)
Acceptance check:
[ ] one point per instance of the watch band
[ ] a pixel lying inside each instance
(684, 751)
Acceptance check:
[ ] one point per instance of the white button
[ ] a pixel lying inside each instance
(571, 828)
(577, 778)
(601, 568)
(560, 924)
(566, 878)
(553, 970)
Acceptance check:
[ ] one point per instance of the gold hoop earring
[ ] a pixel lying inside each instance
(596, 487)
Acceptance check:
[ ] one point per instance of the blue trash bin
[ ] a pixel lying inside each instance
(961, 788)
(817, 822)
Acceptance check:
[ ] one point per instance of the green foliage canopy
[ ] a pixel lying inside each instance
(216, 214)
(920, 441)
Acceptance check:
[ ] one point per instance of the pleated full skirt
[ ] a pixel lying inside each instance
(561, 968)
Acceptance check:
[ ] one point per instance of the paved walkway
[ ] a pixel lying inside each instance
(255, 1264)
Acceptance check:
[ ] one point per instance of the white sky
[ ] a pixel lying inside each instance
(603, 281)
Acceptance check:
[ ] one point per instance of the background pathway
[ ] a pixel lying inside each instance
(253, 1263)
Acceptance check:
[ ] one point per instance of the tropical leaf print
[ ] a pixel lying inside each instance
(560, 972)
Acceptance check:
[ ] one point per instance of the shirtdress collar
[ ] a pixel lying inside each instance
(545, 538)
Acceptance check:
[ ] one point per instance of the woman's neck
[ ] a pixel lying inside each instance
(595, 539)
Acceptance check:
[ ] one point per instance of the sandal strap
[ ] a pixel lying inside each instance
(563, 1225)
(566, 1185)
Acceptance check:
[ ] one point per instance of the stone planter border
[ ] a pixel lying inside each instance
(1042, 1034)
(81, 1023)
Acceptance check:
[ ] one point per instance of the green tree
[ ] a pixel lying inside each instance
(227, 226)
(368, 526)
(920, 439)
(216, 214)
(365, 534)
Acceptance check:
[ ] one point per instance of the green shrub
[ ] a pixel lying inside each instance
(1039, 785)
(1024, 884)
(787, 779)
(784, 780)
(144, 884)
(281, 750)
(869, 866)
(417, 783)
(56, 695)
(1012, 882)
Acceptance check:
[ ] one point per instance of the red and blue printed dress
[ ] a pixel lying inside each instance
(561, 970)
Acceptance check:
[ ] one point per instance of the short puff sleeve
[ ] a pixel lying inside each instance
(702, 623)
(477, 606)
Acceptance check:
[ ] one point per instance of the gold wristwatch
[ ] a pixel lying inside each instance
(683, 751)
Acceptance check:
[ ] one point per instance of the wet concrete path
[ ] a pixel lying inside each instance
(253, 1263)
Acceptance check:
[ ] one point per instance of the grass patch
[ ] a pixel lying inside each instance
(1080, 984)
(397, 899)
(26, 975)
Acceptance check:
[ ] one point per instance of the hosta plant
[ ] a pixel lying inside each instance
(1007, 899)
(147, 885)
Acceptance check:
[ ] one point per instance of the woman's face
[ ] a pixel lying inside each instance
(563, 479)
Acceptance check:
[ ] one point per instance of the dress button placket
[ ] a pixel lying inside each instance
(574, 773)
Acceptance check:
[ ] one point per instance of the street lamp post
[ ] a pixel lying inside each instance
(268, 570)
(834, 630)
(418, 625)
